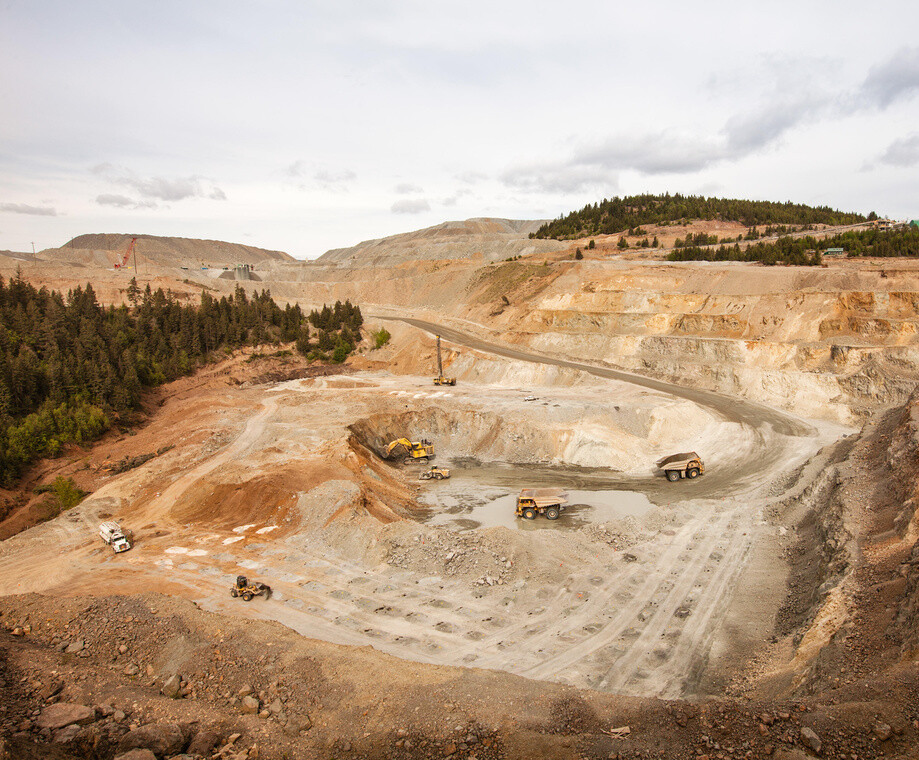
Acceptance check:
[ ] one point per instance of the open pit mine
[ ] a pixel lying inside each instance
(766, 605)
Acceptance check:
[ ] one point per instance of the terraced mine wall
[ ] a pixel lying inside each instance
(830, 342)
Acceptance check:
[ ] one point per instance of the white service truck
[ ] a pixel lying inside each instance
(112, 534)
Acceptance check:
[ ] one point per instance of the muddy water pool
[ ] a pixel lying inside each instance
(484, 495)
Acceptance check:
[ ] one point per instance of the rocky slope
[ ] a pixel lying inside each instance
(92, 677)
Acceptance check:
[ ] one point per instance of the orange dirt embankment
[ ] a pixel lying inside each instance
(186, 422)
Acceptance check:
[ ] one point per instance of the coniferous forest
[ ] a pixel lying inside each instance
(69, 366)
(807, 250)
(614, 215)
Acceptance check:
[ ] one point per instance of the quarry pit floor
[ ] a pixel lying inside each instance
(669, 596)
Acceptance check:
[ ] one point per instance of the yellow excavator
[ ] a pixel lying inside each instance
(410, 451)
(440, 379)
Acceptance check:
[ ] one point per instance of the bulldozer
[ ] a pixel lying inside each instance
(435, 473)
(248, 589)
(541, 501)
(440, 379)
(410, 451)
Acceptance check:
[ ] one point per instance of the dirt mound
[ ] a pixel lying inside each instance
(162, 251)
(150, 670)
(483, 239)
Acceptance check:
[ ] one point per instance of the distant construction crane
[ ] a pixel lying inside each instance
(131, 248)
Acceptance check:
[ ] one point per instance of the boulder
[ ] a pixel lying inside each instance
(160, 738)
(810, 739)
(882, 730)
(136, 754)
(63, 714)
(250, 705)
(67, 734)
(204, 742)
(172, 687)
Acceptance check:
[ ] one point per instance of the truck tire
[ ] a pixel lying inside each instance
(552, 513)
(692, 472)
(438, 476)
(233, 592)
(529, 513)
(247, 597)
(673, 475)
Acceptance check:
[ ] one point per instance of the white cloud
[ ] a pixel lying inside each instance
(160, 188)
(903, 152)
(893, 80)
(407, 188)
(24, 208)
(410, 206)
(122, 201)
(334, 180)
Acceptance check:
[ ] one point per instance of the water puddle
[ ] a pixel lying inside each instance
(466, 505)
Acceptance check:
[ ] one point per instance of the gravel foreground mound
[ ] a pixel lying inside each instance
(152, 676)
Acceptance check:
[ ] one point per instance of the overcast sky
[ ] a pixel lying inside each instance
(304, 126)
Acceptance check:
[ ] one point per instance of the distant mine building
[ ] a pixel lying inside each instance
(834, 252)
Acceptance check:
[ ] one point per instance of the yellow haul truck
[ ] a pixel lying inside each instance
(685, 465)
(541, 501)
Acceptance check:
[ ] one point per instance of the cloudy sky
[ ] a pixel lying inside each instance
(304, 126)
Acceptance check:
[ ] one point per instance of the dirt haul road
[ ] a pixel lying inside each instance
(778, 436)
(664, 606)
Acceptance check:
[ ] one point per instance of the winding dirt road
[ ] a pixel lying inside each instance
(778, 437)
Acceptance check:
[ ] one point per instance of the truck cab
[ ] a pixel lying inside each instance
(111, 533)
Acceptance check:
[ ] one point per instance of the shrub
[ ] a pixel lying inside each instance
(66, 492)
(380, 337)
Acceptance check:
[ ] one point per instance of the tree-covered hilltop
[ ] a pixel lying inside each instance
(807, 250)
(617, 214)
(69, 366)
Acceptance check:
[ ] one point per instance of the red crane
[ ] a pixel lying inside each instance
(127, 255)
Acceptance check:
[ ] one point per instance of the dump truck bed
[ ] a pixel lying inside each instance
(544, 497)
(675, 460)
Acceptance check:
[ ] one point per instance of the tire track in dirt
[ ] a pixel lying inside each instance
(657, 585)
(642, 654)
(699, 633)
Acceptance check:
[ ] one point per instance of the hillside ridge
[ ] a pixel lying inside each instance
(493, 239)
(168, 250)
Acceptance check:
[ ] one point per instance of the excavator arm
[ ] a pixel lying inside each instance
(405, 443)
